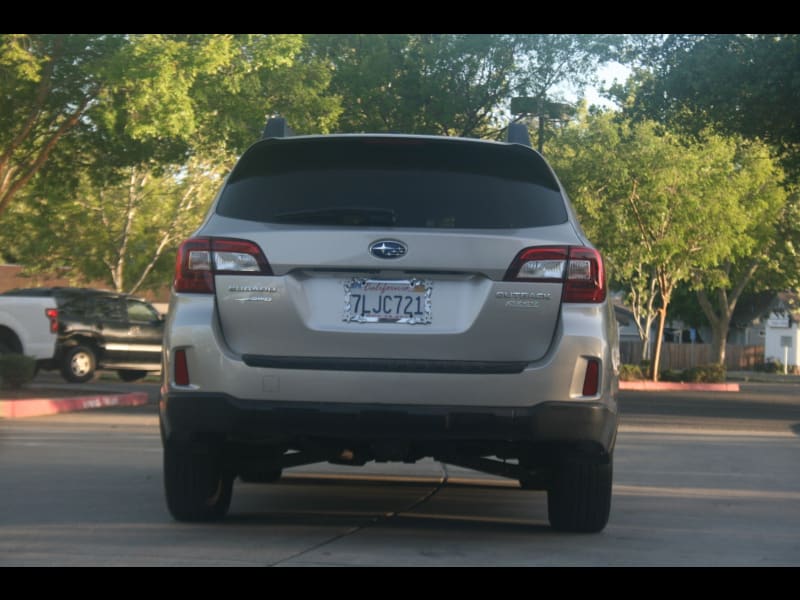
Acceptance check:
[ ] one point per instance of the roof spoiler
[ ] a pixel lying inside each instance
(277, 128)
(518, 134)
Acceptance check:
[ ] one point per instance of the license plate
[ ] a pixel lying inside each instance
(379, 301)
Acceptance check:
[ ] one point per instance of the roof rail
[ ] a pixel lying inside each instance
(276, 128)
(518, 134)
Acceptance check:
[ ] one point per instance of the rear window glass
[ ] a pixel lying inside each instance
(393, 182)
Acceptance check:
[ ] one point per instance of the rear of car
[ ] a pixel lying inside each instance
(28, 326)
(99, 329)
(107, 330)
(373, 297)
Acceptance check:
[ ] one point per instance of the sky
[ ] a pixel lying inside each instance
(606, 76)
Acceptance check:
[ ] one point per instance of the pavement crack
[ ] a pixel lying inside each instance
(370, 522)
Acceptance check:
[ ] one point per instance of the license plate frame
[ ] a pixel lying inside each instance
(397, 301)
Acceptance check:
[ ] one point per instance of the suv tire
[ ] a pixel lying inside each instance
(579, 499)
(79, 364)
(197, 486)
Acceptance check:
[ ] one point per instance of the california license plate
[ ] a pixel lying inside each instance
(380, 301)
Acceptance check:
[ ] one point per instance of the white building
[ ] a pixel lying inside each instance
(782, 335)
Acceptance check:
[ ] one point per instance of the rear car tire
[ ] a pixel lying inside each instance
(128, 375)
(79, 364)
(196, 483)
(579, 499)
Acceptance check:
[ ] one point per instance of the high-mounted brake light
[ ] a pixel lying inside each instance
(199, 259)
(579, 268)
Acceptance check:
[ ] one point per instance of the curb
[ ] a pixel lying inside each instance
(671, 386)
(38, 407)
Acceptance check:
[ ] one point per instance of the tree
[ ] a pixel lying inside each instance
(452, 84)
(48, 84)
(580, 157)
(767, 235)
(443, 84)
(119, 233)
(118, 194)
(743, 84)
(662, 204)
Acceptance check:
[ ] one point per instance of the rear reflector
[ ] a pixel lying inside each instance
(181, 368)
(199, 259)
(579, 268)
(591, 381)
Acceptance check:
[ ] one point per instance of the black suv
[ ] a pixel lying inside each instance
(102, 330)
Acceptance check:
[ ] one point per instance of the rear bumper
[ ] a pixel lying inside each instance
(187, 416)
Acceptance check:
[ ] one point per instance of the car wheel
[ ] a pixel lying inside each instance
(79, 364)
(196, 483)
(127, 375)
(579, 499)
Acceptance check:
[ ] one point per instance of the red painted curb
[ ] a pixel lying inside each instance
(38, 407)
(671, 386)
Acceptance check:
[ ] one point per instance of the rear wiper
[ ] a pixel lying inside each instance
(344, 215)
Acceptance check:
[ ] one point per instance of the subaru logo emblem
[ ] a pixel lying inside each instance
(388, 249)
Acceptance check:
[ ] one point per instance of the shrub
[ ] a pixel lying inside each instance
(630, 373)
(705, 374)
(16, 370)
(671, 375)
(771, 366)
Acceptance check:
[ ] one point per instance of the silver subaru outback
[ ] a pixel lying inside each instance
(375, 297)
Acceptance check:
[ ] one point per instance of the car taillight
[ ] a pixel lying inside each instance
(52, 315)
(579, 268)
(199, 259)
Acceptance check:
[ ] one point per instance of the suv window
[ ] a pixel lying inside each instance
(107, 309)
(77, 306)
(402, 182)
(141, 312)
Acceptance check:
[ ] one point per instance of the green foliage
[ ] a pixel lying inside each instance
(16, 370)
(137, 173)
(122, 232)
(700, 374)
(451, 84)
(743, 83)
(672, 375)
(447, 84)
(771, 366)
(705, 374)
(631, 373)
(660, 206)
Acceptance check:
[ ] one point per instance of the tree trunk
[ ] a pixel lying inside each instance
(719, 339)
(721, 320)
(662, 319)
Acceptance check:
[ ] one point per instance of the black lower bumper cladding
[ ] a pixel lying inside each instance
(187, 415)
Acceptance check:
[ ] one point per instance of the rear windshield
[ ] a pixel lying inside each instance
(402, 182)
